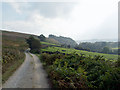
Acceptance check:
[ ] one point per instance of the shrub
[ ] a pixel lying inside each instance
(34, 44)
(74, 71)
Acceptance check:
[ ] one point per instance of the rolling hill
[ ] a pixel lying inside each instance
(63, 40)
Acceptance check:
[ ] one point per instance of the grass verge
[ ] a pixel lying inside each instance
(11, 70)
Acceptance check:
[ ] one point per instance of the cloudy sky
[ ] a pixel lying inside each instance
(81, 20)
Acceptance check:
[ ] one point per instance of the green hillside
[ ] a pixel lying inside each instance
(71, 50)
(47, 43)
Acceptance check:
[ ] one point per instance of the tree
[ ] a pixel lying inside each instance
(106, 50)
(34, 44)
(68, 46)
(42, 37)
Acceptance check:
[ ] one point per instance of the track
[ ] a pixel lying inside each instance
(29, 75)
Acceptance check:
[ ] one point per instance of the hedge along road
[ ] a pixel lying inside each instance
(29, 75)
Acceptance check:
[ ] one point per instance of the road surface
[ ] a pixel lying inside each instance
(29, 75)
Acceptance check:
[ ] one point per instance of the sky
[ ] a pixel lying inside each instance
(80, 20)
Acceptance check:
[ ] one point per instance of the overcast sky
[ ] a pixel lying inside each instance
(83, 20)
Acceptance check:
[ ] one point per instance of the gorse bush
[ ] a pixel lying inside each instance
(80, 71)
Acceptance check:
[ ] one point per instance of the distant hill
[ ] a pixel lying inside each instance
(63, 40)
(98, 40)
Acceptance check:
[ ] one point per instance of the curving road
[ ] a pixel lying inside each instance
(29, 75)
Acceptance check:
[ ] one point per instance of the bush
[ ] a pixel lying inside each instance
(74, 71)
(34, 44)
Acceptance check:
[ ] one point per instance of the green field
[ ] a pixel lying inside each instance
(115, 48)
(71, 50)
(46, 43)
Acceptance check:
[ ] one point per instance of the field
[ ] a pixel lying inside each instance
(46, 43)
(115, 48)
(86, 53)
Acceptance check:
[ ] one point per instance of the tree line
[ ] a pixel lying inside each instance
(101, 47)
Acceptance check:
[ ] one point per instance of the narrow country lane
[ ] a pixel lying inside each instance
(29, 75)
(40, 76)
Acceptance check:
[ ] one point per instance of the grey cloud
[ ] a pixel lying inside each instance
(52, 9)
